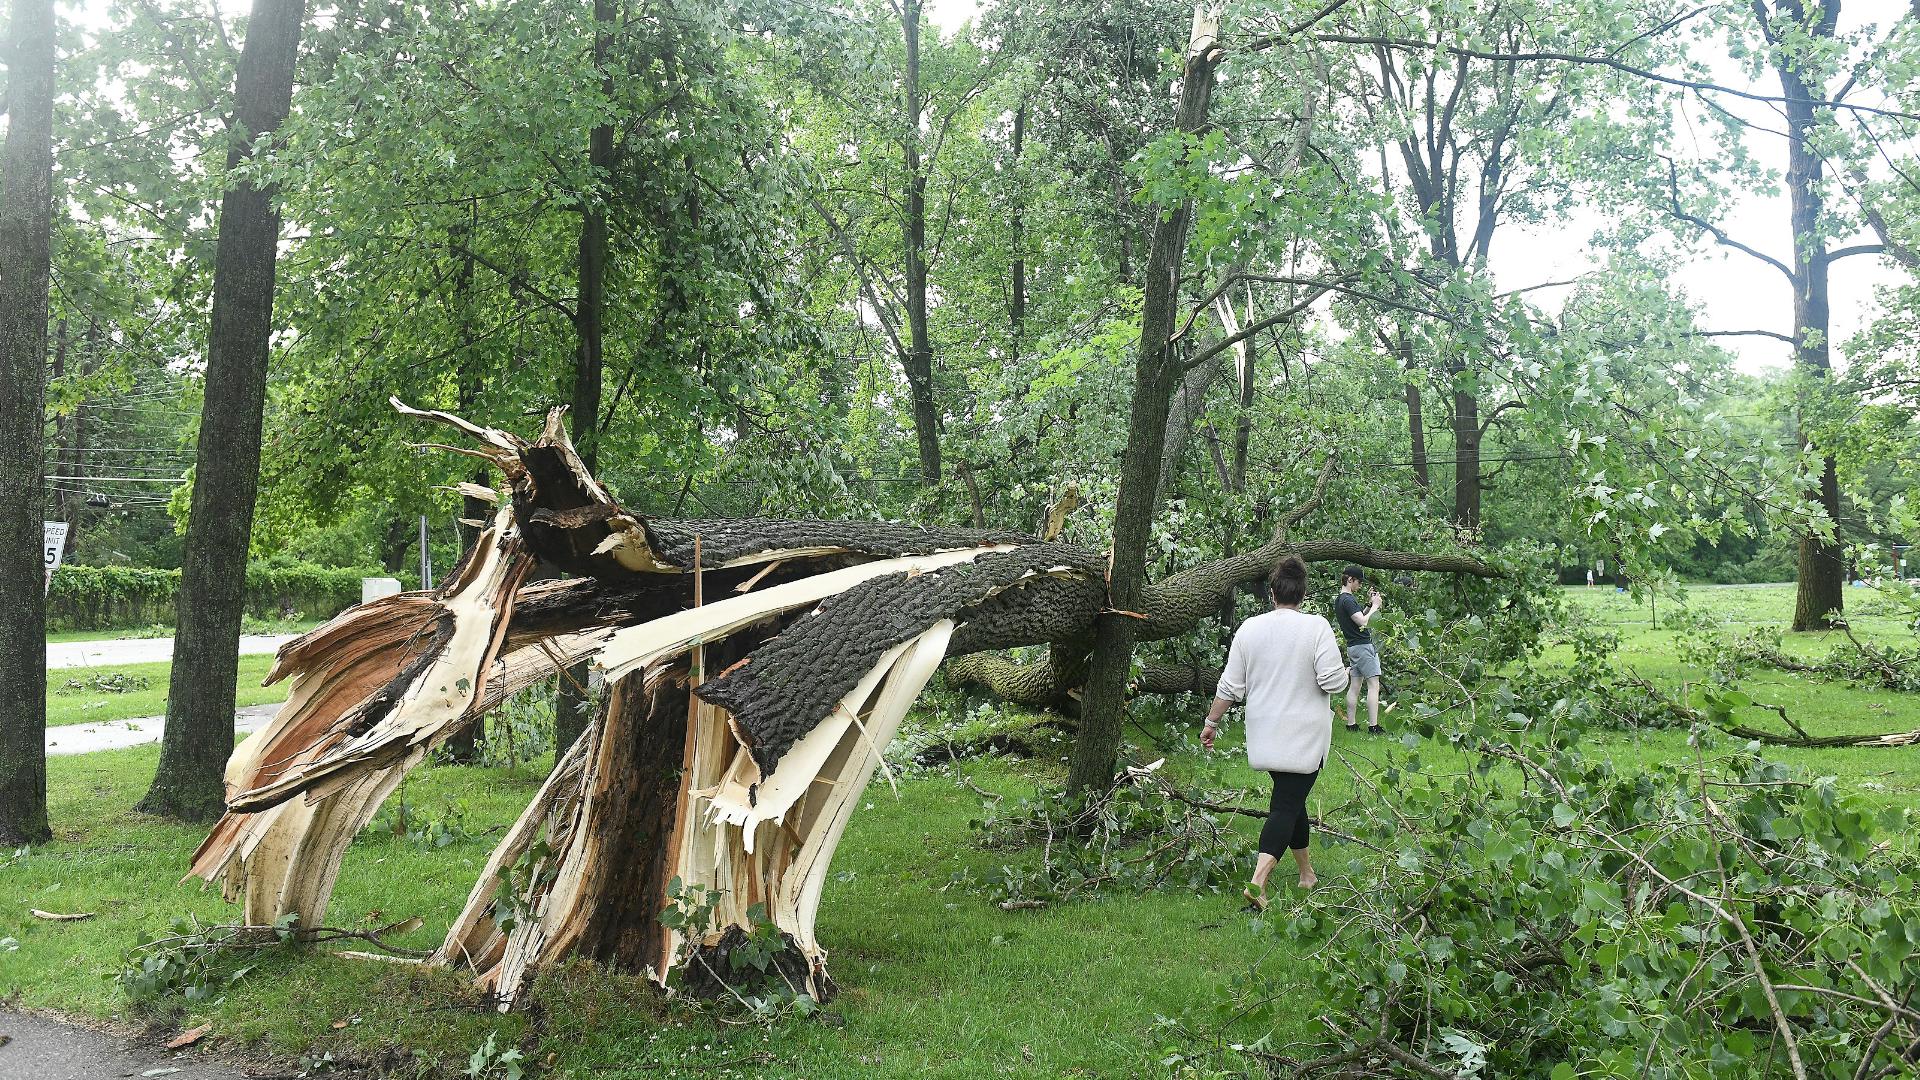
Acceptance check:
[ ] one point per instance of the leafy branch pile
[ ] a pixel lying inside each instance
(1143, 833)
(1543, 914)
(1888, 667)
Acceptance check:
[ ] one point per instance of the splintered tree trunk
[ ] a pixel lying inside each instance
(757, 669)
(199, 728)
(1156, 371)
(633, 811)
(26, 223)
(919, 359)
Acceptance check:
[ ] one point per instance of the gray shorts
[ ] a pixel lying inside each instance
(1363, 661)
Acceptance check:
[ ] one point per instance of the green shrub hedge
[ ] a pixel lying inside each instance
(118, 597)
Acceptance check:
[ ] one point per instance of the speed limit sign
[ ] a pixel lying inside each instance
(55, 547)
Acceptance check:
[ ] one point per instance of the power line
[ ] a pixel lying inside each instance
(127, 450)
(122, 479)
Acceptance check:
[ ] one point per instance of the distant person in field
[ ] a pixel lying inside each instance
(1362, 658)
(1283, 665)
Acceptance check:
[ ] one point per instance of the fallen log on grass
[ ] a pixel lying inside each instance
(756, 669)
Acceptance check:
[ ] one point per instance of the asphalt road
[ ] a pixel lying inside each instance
(40, 1049)
(115, 734)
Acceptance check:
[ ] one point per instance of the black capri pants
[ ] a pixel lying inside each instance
(1286, 827)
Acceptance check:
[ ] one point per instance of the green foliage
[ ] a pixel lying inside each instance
(490, 1062)
(756, 967)
(195, 962)
(107, 682)
(112, 597)
(430, 829)
(1138, 836)
(521, 729)
(535, 869)
(1546, 912)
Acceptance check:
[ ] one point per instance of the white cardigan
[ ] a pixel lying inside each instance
(1282, 666)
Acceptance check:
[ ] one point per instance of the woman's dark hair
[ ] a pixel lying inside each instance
(1288, 582)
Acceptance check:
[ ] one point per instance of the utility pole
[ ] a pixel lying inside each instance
(426, 556)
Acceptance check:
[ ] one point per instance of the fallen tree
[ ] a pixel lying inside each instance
(757, 668)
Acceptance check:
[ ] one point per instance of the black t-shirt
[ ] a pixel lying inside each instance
(1345, 607)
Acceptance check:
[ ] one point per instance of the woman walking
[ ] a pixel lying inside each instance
(1283, 666)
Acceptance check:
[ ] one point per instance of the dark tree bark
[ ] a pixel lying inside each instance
(1416, 412)
(1820, 596)
(200, 694)
(630, 815)
(918, 361)
(571, 706)
(1467, 481)
(1156, 371)
(26, 226)
(399, 535)
(1017, 296)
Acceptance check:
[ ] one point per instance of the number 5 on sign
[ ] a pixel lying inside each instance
(55, 547)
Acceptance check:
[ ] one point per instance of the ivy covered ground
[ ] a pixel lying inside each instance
(962, 951)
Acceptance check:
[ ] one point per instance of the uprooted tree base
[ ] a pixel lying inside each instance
(757, 669)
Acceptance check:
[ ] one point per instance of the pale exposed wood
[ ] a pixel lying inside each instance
(284, 853)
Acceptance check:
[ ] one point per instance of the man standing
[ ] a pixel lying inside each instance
(1363, 661)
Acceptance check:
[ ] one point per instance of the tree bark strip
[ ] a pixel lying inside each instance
(199, 729)
(26, 229)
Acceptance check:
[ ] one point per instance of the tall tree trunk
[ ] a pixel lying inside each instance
(200, 693)
(1466, 451)
(1416, 413)
(1017, 297)
(1821, 571)
(26, 227)
(571, 706)
(1156, 371)
(399, 535)
(918, 361)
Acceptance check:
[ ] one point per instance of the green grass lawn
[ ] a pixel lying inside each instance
(88, 695)
(936, 980)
